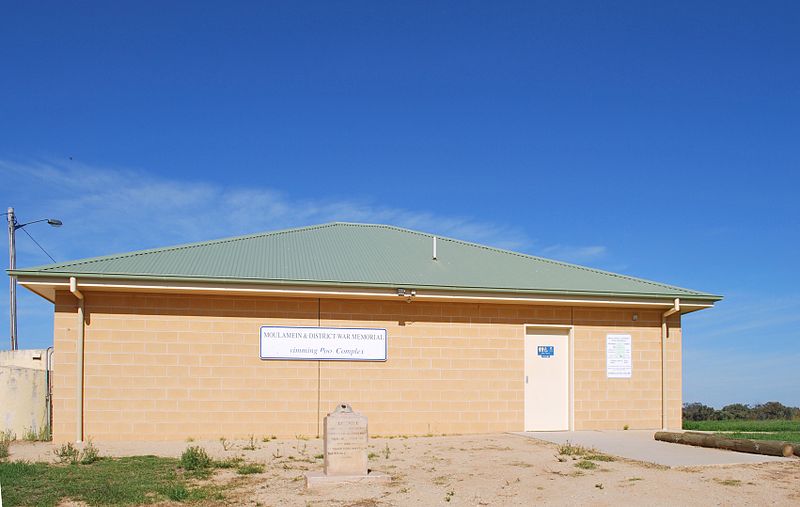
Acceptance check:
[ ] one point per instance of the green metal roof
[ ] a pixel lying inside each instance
(361, 255)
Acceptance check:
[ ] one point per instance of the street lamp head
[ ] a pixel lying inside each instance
(54, 222)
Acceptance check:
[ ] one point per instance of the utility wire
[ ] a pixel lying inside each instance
(37, 244)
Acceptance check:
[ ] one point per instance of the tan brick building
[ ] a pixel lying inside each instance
(263, 334)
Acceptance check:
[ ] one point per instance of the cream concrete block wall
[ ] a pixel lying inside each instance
(613, 403)
(174, 366)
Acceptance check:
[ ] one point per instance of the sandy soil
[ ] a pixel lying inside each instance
(500, 469)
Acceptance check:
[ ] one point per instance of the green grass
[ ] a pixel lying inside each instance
(109, 481)
(743, 426)
(599, 457)
(772, 429)
(787, 436)
(250, 468)
(235, 462)
(586, 464)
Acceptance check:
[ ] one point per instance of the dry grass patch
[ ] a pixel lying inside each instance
(569, 449)
(729, 482)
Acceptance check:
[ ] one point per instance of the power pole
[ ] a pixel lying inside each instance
(12, 263)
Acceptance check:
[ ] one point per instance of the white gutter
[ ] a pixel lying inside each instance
(676, 308)
(73, 287)
(421, 294)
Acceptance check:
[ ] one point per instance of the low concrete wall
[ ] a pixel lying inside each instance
(23, 391)
(35, 359)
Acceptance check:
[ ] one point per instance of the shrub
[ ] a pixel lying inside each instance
(44, 434)
(699, 412)
(90, 453)
(569, 449)
(71, 455)
(31, 435)
(6, 438)
(251, 446)
(67, 453)
(739, 411)
(736, 411)
(773, 410)
(195, 458)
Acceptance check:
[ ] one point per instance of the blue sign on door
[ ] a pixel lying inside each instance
(546, 351)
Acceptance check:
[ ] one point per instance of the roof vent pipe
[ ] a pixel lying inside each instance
(434, 248)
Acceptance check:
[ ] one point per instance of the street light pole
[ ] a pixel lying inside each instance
(12, 263)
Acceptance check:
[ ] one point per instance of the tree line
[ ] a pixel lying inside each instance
(761, 411)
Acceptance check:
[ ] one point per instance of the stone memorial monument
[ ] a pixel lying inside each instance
(345, 449)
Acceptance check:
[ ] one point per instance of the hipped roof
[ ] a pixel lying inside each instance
(362, 255)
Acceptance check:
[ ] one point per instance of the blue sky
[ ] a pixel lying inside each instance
(659, 141)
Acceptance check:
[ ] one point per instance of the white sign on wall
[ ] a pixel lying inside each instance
(618, 356)
(323, 343)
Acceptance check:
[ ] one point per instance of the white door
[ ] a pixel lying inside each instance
(546, 379)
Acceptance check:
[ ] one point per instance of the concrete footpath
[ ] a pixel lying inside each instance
(641, 446)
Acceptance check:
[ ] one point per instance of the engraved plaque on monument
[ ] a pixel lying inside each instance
(345, 447)
(345, 442)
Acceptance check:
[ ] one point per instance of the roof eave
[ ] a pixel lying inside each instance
(712, 298)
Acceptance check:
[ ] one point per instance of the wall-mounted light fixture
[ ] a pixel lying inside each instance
(407, 294)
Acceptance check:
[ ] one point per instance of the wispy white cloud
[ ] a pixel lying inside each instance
(766, 316)
(110, 210)
(573, 253)
(107, 210)
(745, 350)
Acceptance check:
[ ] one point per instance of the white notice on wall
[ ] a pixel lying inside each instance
(618, 356)
(323, 343)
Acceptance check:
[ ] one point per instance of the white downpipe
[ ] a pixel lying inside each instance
(675, 309)
(73, 288)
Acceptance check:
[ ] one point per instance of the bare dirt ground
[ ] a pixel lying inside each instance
(499, 469)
